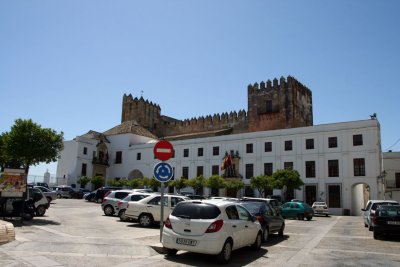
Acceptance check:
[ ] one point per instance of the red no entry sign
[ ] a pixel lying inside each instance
(163, 150)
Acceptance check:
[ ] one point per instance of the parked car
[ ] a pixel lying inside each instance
(49, 194)
(64, 191)
(91, 197)
(110, 201)
(122, 204)
(320, 208)
(40, 201)
(275, 204)
(386, 220)
(196, 197)
(370, 210)
(299, 210)
(102, 191)
(210, 227)
(270, 220)
(147, 211)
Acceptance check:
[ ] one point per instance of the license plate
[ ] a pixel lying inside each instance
(188, 242)
(394, 222)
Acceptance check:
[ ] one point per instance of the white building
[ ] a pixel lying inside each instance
(391, 163)
(339, 163)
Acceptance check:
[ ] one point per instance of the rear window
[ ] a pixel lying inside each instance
(193, 210)
(391, 211)
(253, 207)
(375, 205)
(121, 195)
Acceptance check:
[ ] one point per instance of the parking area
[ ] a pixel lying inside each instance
(75, 232)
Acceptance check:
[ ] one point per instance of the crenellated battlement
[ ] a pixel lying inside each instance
(276, 104)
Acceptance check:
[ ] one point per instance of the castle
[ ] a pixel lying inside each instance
(272, 105)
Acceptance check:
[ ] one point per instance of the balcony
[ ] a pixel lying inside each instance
(100, 161)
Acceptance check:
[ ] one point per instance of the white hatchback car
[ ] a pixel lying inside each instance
(210, 227)
(320, 208)
(148, 210)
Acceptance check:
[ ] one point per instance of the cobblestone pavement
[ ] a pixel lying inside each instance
(76, 233)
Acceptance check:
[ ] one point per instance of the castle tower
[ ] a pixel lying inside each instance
(144, 112)
(278, 105)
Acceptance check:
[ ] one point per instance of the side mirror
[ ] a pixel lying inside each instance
(253, 218)
(362, 209)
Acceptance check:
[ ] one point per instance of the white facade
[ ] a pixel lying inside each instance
(391, 163)
(351, 191)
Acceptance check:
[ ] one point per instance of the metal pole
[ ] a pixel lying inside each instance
(162, 210)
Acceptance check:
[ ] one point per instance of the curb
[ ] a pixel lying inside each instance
(7, 232)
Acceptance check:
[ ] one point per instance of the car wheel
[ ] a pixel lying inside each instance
(309, 218)
(370, 228)
(171, 251)
(122, 216)
(58, 196)
(99, 200)
(280, 233)
(265, 234)
(41, 210)
(225, 255)
(365, 225)
(300, 217)
(326, 215)
(108, 210)
(145, 220)
(257, 242)
(376, 236)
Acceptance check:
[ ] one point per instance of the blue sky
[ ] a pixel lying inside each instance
(67, 64)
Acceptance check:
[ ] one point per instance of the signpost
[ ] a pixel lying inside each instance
(163, 172)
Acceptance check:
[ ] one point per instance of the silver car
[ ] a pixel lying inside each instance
(49, 194)
(370, 210)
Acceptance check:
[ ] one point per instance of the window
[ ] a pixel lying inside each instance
(309, 143)
(311, 194)
(157, 201)
(332, 142)
(232, 213)
(357, 140)
(83, 171)
(249, 171)
(397, 177)
(267, 146)
(310, 169)
(121, 195)
(186, 153)
(118, 157)
(139, 156)
(333, 168)
(359, 167)
(249, 148)
(85, 151)
(288, 145)
(268, 169)
(215, 150)
(243, 214)
(200, 170)
(288, 165)
(268, 106)
(200, 152)
(185, 172)
(215, 170)
(138, 197)
(334, 196)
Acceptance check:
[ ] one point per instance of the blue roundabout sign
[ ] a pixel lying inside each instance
(163, 172)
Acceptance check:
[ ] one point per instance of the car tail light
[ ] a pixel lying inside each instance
(215, 226)
(260, 218)
(167, 223)
(120, 203)
(374, 217)
(127, 206)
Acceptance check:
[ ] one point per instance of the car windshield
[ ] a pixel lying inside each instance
(253, 207)
(391, 211)
(195, 210)
(319, 203)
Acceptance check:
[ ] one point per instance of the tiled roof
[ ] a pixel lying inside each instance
(130, 127)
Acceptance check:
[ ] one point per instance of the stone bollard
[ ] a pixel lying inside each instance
(7, 232)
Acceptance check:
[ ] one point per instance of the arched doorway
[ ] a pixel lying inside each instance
(360, 194)
(135, 174)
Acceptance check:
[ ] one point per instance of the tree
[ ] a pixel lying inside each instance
(235, 184)
(154, 184)
(179, 184)
(197, 184)
(83, 181)
(263, 183)
(135, 183)
(29, 144)
(97, 181)
(215, 182)
(289, 179)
